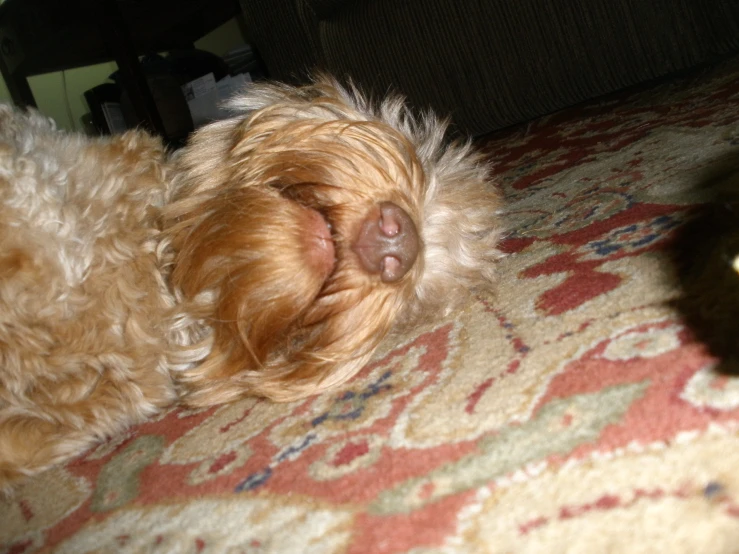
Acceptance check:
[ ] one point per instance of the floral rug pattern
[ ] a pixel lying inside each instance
(574, 411)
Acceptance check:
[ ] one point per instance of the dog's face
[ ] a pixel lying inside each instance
(309, 225)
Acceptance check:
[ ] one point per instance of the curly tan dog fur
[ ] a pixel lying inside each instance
(269, 257)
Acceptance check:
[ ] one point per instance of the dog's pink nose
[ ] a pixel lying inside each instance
(388, 242)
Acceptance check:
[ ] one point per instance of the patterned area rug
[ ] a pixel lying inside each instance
(576, 411)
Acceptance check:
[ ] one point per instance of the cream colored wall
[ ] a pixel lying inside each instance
(4, 94)
(49, 89)
(59, 102)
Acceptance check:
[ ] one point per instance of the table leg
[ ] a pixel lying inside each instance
(18, 87)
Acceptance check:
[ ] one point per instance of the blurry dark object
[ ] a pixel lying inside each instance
(189, 64)
(245, 59)
(706, 252)
(97, 98)
(171, 105)
(87, 125)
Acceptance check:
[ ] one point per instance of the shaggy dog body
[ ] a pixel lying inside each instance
(268, 257)
(85, 337)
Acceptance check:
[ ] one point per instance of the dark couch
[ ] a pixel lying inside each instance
(491, 63)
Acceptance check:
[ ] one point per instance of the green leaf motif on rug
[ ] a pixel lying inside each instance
(558, 428)
(118, 482)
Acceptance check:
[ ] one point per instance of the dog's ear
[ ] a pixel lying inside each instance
(236, 259)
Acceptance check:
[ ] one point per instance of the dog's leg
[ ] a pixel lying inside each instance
(57, 403)
(29, 445)
(41, 430)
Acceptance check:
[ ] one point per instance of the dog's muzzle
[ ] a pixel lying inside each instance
(388, 242)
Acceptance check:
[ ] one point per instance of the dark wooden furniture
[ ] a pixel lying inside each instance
(40, 36)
